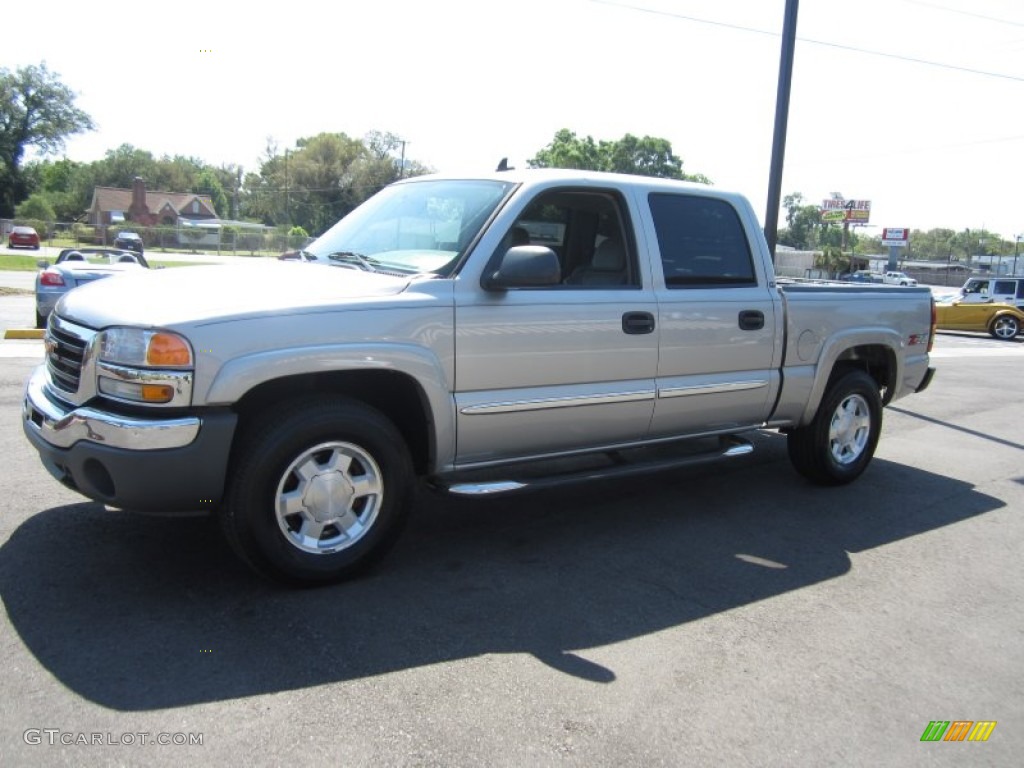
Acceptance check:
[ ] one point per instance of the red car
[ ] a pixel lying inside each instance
(25, 237)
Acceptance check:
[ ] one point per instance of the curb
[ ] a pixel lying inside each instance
(24, 333)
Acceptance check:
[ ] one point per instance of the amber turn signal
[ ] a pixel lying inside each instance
(168, 349)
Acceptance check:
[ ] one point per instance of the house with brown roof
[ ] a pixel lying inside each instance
(145, 208)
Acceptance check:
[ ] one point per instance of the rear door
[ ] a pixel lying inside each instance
(719, 331)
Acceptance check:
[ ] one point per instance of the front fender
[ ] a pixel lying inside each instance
(240, 375)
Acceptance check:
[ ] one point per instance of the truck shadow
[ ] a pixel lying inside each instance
(138, 613)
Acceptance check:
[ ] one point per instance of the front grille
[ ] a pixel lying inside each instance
(64, 355)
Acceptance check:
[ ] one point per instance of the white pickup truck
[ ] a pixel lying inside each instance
(488, 334)
(898, 278)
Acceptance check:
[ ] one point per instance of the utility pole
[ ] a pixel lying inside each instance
(401, 166)
(771, 219)
(287, 192)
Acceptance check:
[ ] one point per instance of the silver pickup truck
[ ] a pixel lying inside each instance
(490, 334)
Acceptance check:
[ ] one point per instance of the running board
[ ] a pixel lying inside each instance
(458, 484)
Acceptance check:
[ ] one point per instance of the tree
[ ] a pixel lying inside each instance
(36, 110)
(647, 156)
(805, 228)
(207, 183)
(322, 179)
(35, 206)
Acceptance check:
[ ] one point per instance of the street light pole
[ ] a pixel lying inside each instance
(1016, 250)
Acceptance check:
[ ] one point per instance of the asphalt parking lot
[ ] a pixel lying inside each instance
(730, 615)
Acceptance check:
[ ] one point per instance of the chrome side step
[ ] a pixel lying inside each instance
(620, 465)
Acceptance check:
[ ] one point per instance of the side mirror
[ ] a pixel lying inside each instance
(524, 266)
(42, 263)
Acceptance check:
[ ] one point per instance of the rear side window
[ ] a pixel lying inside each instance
(702, 242)
(1008, 287)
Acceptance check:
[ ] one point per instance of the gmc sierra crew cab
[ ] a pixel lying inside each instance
(485, 334)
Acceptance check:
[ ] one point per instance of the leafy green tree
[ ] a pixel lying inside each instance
(833, 260)
(322, 179)
(646, 156)
(567, 150)
(35, 206)
(120, 166)
(805, 230)
(207, 183)
(36, 110)
(67, 185)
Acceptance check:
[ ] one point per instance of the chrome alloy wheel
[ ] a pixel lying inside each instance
(850, 429)
(1005, 327)
(329, 497)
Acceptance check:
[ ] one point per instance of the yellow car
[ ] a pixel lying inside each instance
(1003, 321)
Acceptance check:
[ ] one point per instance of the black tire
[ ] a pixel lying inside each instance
(308, 529)
(837, 446)
(1004, 327)
(40, 320)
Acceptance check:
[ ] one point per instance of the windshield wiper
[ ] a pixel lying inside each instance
(351, 257)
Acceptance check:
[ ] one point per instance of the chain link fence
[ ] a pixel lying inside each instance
(232, 239)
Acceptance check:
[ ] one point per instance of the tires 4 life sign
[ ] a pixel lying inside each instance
(850, 211)
(895, 237)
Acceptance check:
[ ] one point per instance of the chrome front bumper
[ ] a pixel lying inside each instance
(167, 466)
(62, 426)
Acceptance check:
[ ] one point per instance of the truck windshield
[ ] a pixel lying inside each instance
(414, 227)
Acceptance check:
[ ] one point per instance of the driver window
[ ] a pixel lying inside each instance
(588, 233)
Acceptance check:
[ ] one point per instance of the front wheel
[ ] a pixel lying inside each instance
(1005, 328)
(319, 491)
(837, 446)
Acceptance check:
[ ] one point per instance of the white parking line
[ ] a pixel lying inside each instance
(1011, 350)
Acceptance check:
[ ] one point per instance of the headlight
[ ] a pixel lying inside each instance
(137, 347)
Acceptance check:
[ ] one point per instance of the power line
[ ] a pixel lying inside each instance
(966, 13)
(824, 43)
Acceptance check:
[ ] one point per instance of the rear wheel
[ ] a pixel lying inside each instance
(837, 446)
(1005, 327)
(40, 320)
(318, 491)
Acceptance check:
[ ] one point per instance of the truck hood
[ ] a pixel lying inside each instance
(169, 297)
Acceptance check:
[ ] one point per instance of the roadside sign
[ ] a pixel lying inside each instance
(895, 237)
(852, 211)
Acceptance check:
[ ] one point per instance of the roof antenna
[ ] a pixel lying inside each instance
(504, 166)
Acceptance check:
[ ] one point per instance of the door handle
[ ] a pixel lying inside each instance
(635, 323)
(751, 320)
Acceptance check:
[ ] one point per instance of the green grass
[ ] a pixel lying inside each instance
(19, 263)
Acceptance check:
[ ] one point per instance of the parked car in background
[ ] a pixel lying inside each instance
(75, 267)
(23, 237)
(898, 278)
(998, 290)
(130, 241)
(1002, 321)
(864, 276)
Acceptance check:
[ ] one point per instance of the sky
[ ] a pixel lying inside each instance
(915, 105)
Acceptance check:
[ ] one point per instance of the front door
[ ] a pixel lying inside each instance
(551, 370)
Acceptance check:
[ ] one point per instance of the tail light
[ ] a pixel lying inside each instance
(51, 278)
(931, 333)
